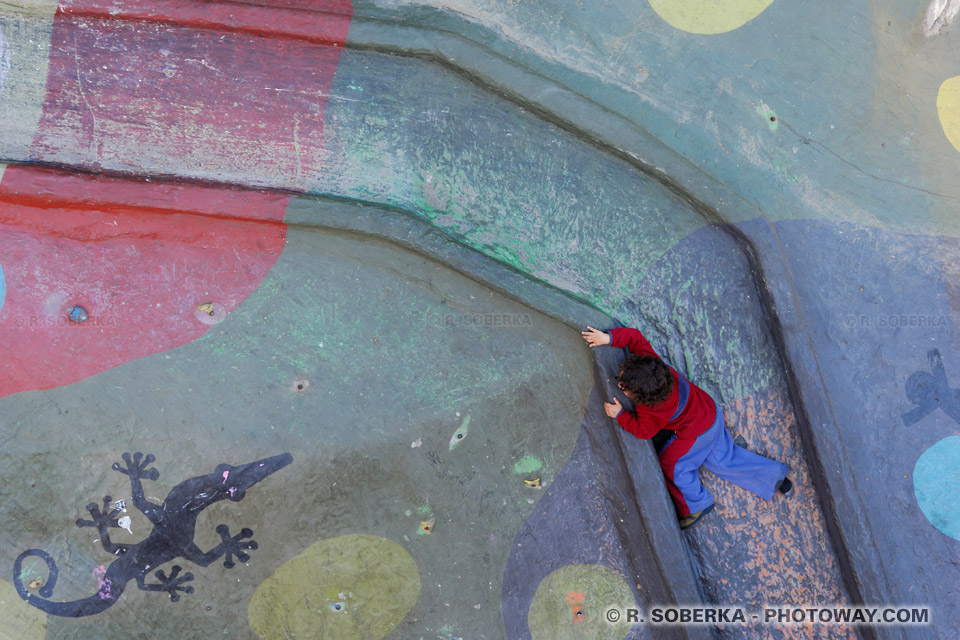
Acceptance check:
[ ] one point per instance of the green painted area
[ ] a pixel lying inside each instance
(550, 204)
(441, 153)
(769, 115)
(354, 587)
(572, 603)
(527, 464)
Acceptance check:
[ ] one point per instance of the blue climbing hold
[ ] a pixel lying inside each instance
(936, 483)
(78, 314)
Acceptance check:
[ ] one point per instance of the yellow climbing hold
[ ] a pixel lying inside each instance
(20, 620)
(709, 16)
(948, 108)
(354, 587)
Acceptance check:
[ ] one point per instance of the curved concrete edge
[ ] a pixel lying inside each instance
(633, 463)
(864, 577)
(402, 228)
(659, 516)
(557, 104)
(564, 107)
(833, 466)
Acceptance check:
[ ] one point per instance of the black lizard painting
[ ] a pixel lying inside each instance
(173, 521)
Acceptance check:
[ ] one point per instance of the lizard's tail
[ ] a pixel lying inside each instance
(101, 601)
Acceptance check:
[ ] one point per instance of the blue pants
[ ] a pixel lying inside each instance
(680, 459)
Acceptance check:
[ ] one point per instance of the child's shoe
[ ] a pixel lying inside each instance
(688, 521)
(785, 487)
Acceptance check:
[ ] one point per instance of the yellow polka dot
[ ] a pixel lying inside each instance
(709, 16)
(20, 620)
(572, 603)
(355, 587)
(948, 108)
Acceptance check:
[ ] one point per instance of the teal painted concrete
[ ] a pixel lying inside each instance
(594, 148)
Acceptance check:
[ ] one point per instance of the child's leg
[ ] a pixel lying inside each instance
(743, 468)
(680, 460)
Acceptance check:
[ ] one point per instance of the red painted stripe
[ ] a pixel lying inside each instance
(175, 88)
(138, 269)
(318, 22)
(174, 100)
(42, 188)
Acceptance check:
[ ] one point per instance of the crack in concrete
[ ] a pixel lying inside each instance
(807, 140)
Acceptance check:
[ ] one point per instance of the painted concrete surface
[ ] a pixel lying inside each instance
(343, 357)
(822, 319)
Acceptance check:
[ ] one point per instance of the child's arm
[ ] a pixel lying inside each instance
(633, 340)
(629, 421)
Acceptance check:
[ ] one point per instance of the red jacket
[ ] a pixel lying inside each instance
(696, 417)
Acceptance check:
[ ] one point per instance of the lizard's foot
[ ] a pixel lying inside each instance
(171, 584)
(137, 467)
(105, 517)
(232, 545)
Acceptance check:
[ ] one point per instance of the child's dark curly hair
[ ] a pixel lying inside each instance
(647, 379)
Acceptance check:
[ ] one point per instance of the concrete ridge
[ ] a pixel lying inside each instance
(711, 213)
(237, 17)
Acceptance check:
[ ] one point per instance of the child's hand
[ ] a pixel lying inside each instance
(595, 338)
(613, 408)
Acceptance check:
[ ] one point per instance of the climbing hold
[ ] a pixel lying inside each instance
(769, 116)
(338, 606)
(586, 588)
(78, 314)
(460, 434)
(535, 483)
(35, 584)
(426, 526)
(210, 313)
(577, 614)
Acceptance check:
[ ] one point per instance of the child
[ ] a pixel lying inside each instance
(666, 400)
